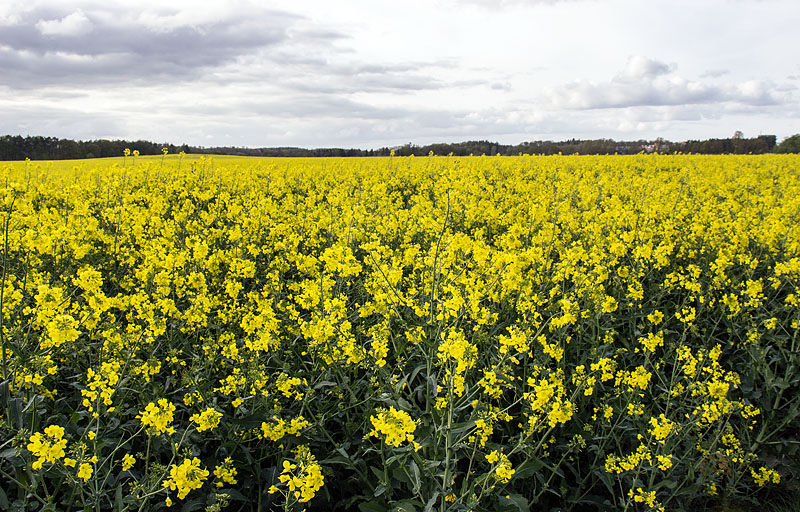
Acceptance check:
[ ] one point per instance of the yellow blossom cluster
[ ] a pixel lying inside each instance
(302, 479)
(206, 420)
(185, 477)
(277, 428)
(639, 495)
(395, 426)
(762, 476)
(48, 447)
(128, 461)
(158, 417)
(661, 428)
(502, 466)
(225, 473)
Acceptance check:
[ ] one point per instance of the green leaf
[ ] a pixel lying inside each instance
(118, 498)
(416, 478)
(431, 502)
(5, 393)
(15, 413)
(528, 468)
(236, 495)
(399, 474)
(371, 506)
(406, 506)
(461, 428)
(251, 421)
(513, 503)
(668, 483)
(192, 505)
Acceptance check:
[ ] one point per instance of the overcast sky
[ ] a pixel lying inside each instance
(322, 73)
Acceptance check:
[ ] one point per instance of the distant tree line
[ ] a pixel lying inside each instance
(735, 145)
(288, 151)
(16, 147)
(790, 144)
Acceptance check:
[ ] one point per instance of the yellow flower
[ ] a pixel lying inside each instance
(158, 417)
(48, 447)
(128, 461)
(502, 468)
(641, 496)
(206, 420)
(278, 428)
(225, 473)
(303, 479)
(662, 427)
(396, 426)
(186, 477)
(85, 471)
(62, 329)
(652, 341)
(764, 476)
(655, 317)
(609, 304)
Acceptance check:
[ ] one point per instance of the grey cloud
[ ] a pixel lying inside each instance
(715, 73)
(59, 122)
(501, 86)
(298, 72)
(300, 106)
(372, 83)
(338, 121)
(57, 47)
(311, 107)
(50, 45)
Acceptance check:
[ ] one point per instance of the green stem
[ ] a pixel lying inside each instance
(2, 303)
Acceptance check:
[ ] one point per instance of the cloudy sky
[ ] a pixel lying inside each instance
(352, 73)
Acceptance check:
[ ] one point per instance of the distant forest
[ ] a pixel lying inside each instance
(16, 147)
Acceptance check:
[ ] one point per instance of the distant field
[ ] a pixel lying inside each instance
(416, 333)
(101, 163)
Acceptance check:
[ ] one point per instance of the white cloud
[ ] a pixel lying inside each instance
(640, 67)
(649, 82)
(495, 4)
(74, 24)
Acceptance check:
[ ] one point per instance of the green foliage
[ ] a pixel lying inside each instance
(789, 145)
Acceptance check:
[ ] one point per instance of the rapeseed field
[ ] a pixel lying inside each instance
(415, 334)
